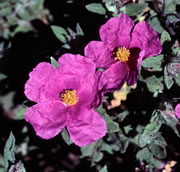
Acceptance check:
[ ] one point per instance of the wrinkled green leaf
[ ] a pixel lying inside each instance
(158, 151)
(104, 169)
(155, 23)
(168, 79)
(93, 151)
(22, 28)
(127, 129)
(176, 51)
(145, 155)
(122, 116)
(170, 120)
(5, 9)
(19, 112)
(111, 125)
(9, 151)
(154, 84)
(153, 63)
(165, 37)
(124, 142)
(106, 147)
(54, 62)
(150, 131)
(132, 9)
(66, 137)
(96, 8)
(60, 33)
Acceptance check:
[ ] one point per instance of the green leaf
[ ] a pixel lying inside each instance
(168, 79)
(132, 9)
(93, 151)
(155, 23)
(96, 8)
(124, 142)
(154, 84)
(106, 147)
(111, 125)
(153, 63)
(54, 62)
(5, 9)
(150, 131)
(2, 76)
(127, 129)
(9, 151)
(60, 33)
(19, 112)
(122, 116)
(66, 137)
(79, 31)
(170, 120)
(104, 169)
(165, 37)
(145, 155)
(158, 151)
(176, 51)
(23, 28)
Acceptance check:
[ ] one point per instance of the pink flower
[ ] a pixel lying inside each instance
(121, 50)
(177, 111)
(65, 97)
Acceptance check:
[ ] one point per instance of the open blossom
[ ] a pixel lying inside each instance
(64, 98)
(121, 50)
(177, 111)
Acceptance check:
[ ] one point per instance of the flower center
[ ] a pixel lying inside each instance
(69, 97)
(121, 54)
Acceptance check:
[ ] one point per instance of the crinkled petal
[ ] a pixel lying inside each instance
(47, 118)
(177, 111)
(116, 32)
(99, 53)
(76, 65)
(37, 80)
(58, 84)
(114, 77)
(85, 126)
(145, 38)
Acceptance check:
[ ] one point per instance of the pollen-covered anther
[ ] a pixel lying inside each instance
(69, 97)
(121, 54)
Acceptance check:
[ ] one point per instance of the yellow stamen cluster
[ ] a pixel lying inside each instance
(69, 97)
(121, 54)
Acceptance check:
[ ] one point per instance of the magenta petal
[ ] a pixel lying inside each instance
(47, 119)
(116, 32)
(37, 80)
(58, 83)
(177, 111)
(99, 53)
(85, 126)
(76, 65)
(145, 38)
(114, 77)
